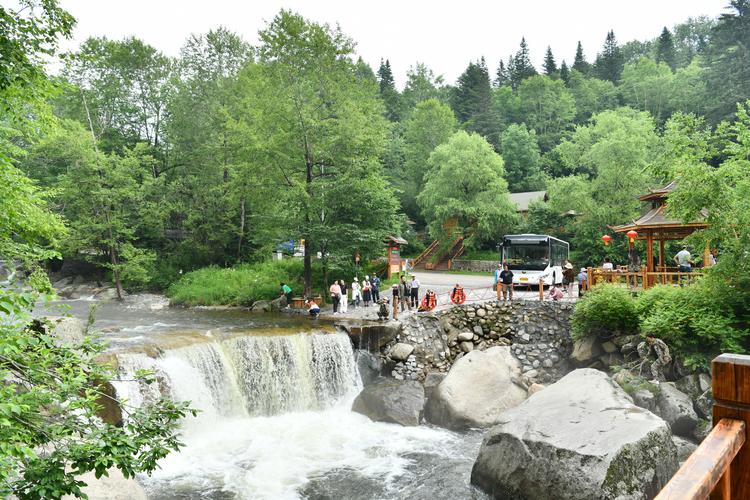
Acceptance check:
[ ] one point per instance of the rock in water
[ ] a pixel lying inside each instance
(580, 438)
(369, 367)
(394, 401)
(478, 388)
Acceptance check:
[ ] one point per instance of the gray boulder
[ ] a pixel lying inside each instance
(68, 330)
(478, 388)
(394, 401)
(431, 381)
(401, 351)
(676, 408)
(645, 399)
(580, 438)
(261, 306)
(465, 336)
(586, 350)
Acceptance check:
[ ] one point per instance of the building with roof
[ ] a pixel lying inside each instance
(523, 200)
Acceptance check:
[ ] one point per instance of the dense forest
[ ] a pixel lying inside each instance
(163, 165)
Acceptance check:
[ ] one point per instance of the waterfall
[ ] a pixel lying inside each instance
(247, 376)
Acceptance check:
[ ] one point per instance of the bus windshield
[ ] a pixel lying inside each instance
(527, 257)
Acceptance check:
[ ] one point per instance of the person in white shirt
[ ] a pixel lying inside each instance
(356, 292)
(684, 260)
(414, 285)
(607, 266)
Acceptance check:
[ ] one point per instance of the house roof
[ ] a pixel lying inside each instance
(397, 240)
(655, 194)
(522, 200)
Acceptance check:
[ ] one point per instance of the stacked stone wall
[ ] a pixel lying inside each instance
(539, 333)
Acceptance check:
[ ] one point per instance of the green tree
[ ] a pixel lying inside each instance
(364, 71)
(520, 153)
(647, 85)
(550, 66)
(728, 61)
(314, 133)
(591, 95)
(579, 63)
(388, 92)
(502, 76)
(691, 38)
(520, 67)
(432, 123)
(689, 92)
(207, 196)
(472, 102)
(665, 50)
(564, 72)
(609, 61)
(466, 182)
(547, 107)
(421, 85)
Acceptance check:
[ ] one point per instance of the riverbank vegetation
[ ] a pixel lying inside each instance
(52, 386)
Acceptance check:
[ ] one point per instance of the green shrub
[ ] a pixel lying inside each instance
(237, 286)
(694, 322)
(606, 310)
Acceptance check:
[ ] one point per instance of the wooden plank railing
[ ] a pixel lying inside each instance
(720, 467)
(640, 279)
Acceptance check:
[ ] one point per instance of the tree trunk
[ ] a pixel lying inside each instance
(307, 291)
(115, 271)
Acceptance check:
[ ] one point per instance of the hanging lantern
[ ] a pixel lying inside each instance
(632, 235)
(606, 239)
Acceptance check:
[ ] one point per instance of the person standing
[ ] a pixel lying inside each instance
(286, 291)
(404, 294)
(568, 278)
(684, 260)
(506, 283)
(344, 304)
(582, 281)
(395, 298)
(414, 289)
(375, 289)
(356, 293)
(366, 291)
(496, 276)
(335, 290)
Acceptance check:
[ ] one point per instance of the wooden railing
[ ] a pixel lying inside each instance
(720, 467)
(640, 279)
(426, 253)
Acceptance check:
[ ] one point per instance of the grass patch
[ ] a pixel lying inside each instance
(492, 255)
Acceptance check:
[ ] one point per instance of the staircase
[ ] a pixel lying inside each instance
(426, 260)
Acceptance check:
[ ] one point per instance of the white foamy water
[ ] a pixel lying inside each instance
(275, 424)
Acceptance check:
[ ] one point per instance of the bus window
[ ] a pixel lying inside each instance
(527, 257)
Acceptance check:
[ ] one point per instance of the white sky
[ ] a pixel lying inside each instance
(445, 35)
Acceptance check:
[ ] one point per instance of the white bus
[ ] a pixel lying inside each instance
(535, 256)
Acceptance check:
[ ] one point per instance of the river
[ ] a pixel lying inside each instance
(274, 393)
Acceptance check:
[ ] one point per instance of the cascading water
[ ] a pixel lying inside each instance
(275, 424)
(248, 376)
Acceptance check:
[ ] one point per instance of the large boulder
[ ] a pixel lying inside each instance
(586, 350)
(478, 388)
(580, 438)
(676, 408)
(390, 400)
(369, 366)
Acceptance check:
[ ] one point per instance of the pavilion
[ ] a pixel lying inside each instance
(656, 225)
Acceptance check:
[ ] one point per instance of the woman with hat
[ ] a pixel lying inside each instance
(568, 277)
(356, 294)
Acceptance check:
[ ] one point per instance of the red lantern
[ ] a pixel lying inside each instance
(632, 235)
(606, 239)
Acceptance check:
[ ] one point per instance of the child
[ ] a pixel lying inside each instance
(555, 293)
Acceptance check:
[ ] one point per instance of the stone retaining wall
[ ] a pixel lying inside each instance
(538, 331)
(477, 266)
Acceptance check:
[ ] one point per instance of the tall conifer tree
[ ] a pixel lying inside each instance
(472, 102)
(550, 66)
(564, 72)
(665, 49)
(522, 67)
(502, 77)
(579, 63)
(388, 92)
(610, 61)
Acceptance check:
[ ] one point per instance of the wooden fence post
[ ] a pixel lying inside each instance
(731, 390)
(541, 289)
